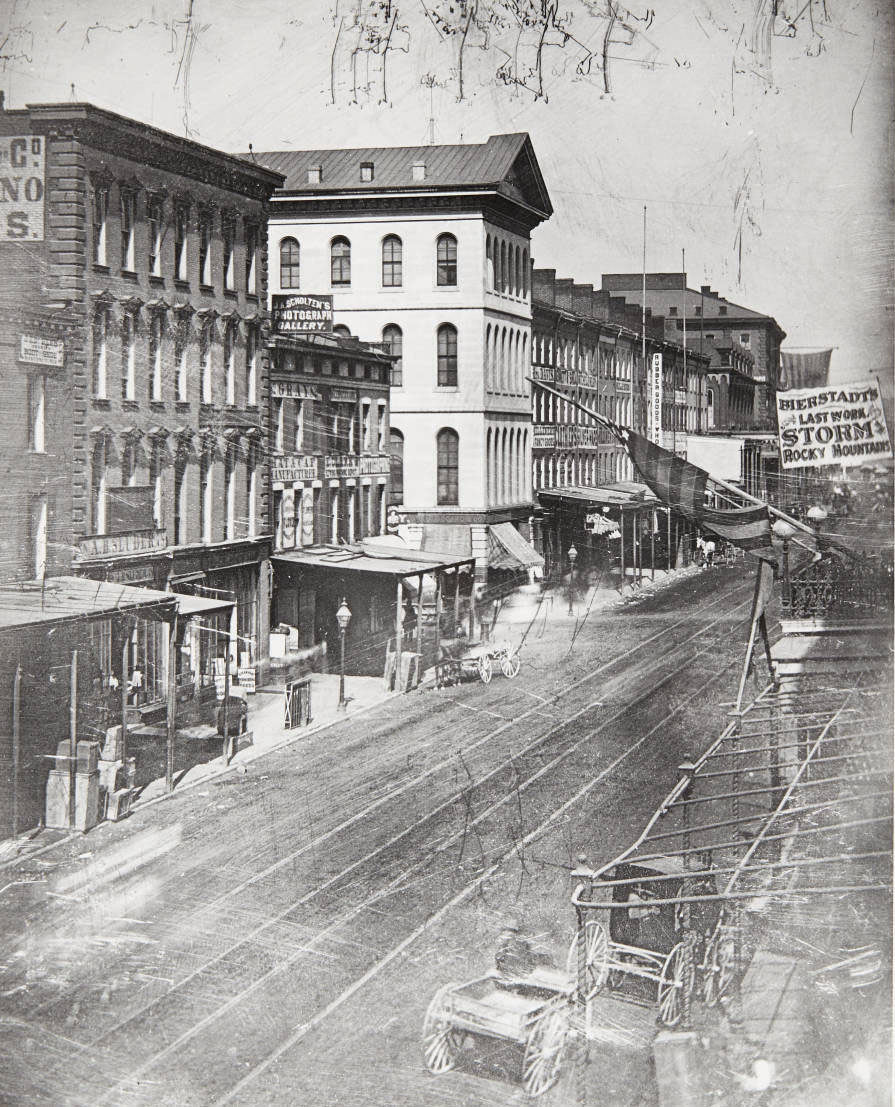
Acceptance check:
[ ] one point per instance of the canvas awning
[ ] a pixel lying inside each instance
(509, 550)
(201, 605)
(60, 598)
(394, 561)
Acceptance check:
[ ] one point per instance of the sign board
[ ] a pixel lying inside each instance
(292, 390)
(292, 467)
(655, 399)
(835, 425)
(246, 676)
(34, 350)
(288, 517)
(307, 517)
(343, 396)
(298, 313)
(22, 177)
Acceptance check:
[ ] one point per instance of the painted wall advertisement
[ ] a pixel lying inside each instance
(655, 399)
(835, 425)
(22, 176)
(298, 313)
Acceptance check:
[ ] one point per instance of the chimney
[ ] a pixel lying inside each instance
(706, 290)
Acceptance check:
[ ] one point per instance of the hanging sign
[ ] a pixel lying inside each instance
(22, 176)
(838, 425)
(34, 350)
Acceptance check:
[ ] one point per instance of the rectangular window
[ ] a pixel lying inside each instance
(380, 437)
(228, 240)
(251, 366)
(37, 413)
(299, 426)
(155, 483)
(279, 429)
(230, 496)
(100, 352)
(206, 354)
(744, 339)
(205, 249)
(179, 500)
(155, 357)
(230, 362)
(98, 488)
(155, 214)
(365, 425)
(39, 519)
(205, 495)
(128, 358)
(100, 225)
(251, 493)
(181, 225)
(181, 387)
(251, 259)
(128, 204)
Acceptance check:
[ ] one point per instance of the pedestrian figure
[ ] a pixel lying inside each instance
(709, 547)
(700, 551)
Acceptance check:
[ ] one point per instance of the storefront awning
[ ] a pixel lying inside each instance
(201, 605)
(59, 598)
(509, 550)
(623, 494)
(393, 561)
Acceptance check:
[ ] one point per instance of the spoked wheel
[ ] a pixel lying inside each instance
(671, 986)
(485, 669)
(596, 958)
(441, 1042)
(543, 1052)
(509, 665)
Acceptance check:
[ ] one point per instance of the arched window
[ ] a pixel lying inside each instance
(290, 256)
(393, 340)
(396, 465)
(517, 272)
(525, 273)
(340, 261)
(503, 268)
(489, 262)
(392, 252)
(489, 365)
(448, 467)
(502, 385)
(446, 259)
(489, 470)
(447, 356)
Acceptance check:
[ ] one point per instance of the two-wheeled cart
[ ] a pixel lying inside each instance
(461, 662)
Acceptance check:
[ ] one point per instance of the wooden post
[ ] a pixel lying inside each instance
(225, 752)
(399, 633)
(621, 516)
(172, 706)
(652, 549)
(73, 739)
(125, 680)
(472, 613)
(16, 745)
(437, 612)
(419, 632)
(668, 512)
(456, 600)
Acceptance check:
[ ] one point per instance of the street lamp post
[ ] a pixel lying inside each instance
(784, 531)
(573, 554)
(343, 618)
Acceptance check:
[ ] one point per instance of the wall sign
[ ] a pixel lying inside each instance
(655, 399)
(836, 425)
(292, 467)
(34, 350)
(22, 177)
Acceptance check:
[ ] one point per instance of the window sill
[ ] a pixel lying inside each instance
(181, 405)
(253, 296)
(181, 284)
(208, 288)
(155, 405)
(341, 287)
(100, 267)
(231, 293)
(129, 275)
(129, 405)
(102, 402)
(447, 388)
(156, 280)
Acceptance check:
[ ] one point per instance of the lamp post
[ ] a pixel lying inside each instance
(343, 618)
(573, 554)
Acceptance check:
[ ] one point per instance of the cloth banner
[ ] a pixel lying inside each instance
(839, 425)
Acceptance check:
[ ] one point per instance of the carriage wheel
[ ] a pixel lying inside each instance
(596, 958)
(671, 985)
(509, 665)
(543, 1052)
(485, 668)
(441, 1042)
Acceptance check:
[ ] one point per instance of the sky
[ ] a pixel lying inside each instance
(761, 146)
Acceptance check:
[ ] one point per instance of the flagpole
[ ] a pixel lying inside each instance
(643, 323)
(609, 425)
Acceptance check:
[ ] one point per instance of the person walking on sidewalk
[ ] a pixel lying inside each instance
(709, 547)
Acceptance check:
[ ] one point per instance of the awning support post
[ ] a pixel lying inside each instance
(419, 632)
(73, 739)
(16, 745)
(172, 705)
(399, 610)
(125, 680)
(437, 612)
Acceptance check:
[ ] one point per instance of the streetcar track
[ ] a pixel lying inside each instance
(306, 1028)
(397, 882)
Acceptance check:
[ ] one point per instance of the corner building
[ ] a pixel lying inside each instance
(427, 250)
(144, 278)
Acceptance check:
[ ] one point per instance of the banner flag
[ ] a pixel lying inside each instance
(805, 369)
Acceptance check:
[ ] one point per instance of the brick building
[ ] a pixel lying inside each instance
(710, 319)
(134, 361)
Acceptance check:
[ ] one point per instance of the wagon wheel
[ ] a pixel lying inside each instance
(596, 958)
(441, 1042)
(672, 983)
(510, 664)
(485, 668)
(720, 969)
(543, 1052)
